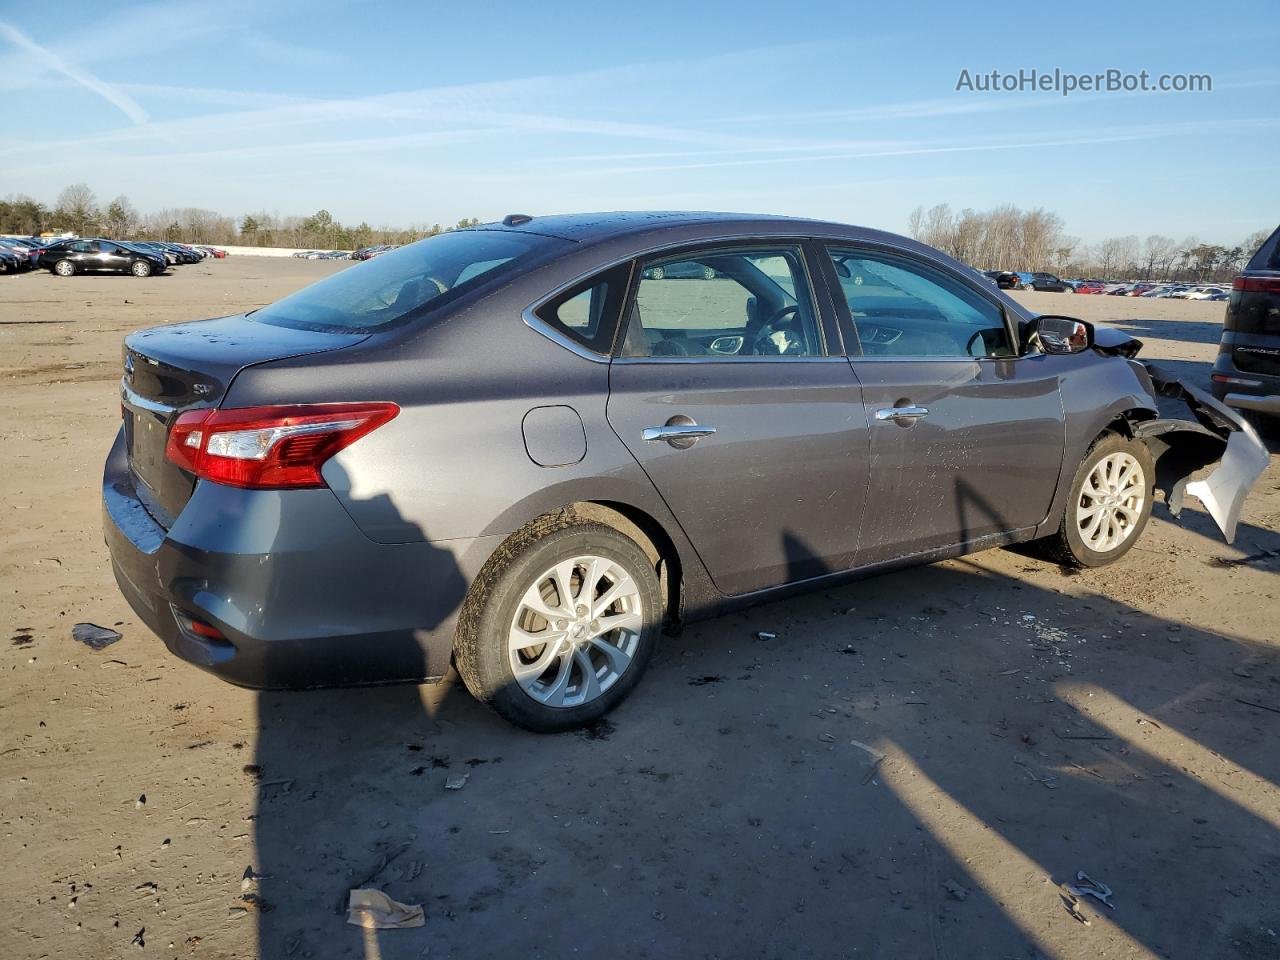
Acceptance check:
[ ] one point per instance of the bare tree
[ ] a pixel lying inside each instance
(78, 208)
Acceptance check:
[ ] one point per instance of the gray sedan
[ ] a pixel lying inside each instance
(525, 449)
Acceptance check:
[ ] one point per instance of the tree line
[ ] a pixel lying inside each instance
(78, 210)
(1007, 238)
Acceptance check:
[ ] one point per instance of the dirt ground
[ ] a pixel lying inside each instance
(910, 768)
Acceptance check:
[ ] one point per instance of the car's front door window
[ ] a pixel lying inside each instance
(906, 309)
(744, 303)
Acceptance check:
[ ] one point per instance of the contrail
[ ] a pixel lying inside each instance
(122, 101)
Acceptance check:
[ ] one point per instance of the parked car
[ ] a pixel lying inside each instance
(1248, 362)
(69, 257)
(687, 270)
(1046, 283)
(1090, 286)
(1008, 280)
(525, 448)
(11, 261)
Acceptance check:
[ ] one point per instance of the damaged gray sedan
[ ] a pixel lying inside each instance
(526, 448)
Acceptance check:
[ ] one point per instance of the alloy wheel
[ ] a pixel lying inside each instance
(1111, 502)
(575, 631)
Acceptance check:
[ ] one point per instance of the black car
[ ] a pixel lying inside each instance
(1249, 356)
(1007, 280)
(69, 257)
(1047, 283)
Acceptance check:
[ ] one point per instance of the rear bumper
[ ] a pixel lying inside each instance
(1235, 380)
(303, 598)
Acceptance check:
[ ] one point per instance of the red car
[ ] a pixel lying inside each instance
(1090, 286)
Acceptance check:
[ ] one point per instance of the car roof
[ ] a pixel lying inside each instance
(599, 227)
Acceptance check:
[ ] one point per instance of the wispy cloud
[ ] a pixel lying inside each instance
(113, 95)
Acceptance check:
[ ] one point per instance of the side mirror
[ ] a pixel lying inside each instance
(1054, 334)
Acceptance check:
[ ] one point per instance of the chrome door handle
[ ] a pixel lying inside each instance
(902, 414)
(676, 431)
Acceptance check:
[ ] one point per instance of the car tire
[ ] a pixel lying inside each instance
(140, 268)
(1100, 529)
(577, 674)
(708, 273)
(64, 268)
(657, 273)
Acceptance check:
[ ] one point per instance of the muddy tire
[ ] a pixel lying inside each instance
(1108, 506)
(560, 625)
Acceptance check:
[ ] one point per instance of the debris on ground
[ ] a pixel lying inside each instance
(766, 635)
(457, 781)
(1086, 886)
(374, 910)
(955, 891)
(1072, 903)
(94, 636)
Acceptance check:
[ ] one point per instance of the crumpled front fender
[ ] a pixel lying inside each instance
(1182, 447)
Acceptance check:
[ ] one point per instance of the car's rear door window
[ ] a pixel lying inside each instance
(727, 304)
(901, 307)
(587, 313)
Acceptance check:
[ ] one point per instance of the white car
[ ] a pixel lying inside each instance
(1202, 293)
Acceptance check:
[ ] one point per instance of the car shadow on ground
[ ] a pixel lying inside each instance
(907, 766)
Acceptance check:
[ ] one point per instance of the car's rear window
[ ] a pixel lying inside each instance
(1268, 255)
(393, 285)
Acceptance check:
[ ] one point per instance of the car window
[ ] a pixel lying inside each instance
(587, 313)
(83, 246)
(389, 287)
(106, 247)
(901, 307)
(725, 304)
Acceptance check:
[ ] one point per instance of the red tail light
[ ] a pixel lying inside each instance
(1256, 284)
(270, 447)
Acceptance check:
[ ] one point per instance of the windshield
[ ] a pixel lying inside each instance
(381, 291)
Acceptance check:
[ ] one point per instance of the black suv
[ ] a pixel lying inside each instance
(1249, 356)
(69, 257)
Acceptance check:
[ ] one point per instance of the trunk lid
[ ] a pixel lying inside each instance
(189, 366)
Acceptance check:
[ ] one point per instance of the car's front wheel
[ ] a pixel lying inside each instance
(1109, 504)
(560, 625)
(64, 268)
(140, 268)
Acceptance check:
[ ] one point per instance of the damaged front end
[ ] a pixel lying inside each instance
(1182, 447)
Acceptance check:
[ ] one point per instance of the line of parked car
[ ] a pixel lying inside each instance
(1047, 282)
(67, 256)
(364, 253)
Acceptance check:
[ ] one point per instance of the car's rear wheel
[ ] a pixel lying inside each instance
(1108, 507)
(657, 273)
(140, 268)
(708, 273)
(560, 625)
(64, 268)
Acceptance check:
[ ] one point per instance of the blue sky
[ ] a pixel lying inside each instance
(413, 113)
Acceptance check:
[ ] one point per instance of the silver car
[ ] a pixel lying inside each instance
(526, 449)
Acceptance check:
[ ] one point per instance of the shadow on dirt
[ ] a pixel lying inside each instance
(906, 767)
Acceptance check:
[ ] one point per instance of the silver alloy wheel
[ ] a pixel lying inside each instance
(1111, 502)
(576, 631)
(64, 268)
(141, 268)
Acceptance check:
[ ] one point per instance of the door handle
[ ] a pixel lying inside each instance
(676, 431)
(902, 414)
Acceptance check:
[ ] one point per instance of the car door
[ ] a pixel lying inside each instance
(84, 253)
(967, 437)
(112, 256)
(733, 395)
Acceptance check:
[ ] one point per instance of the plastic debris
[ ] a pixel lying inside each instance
(1086, 886)
(94, 636)
(457, 781)
(954, 890)
(766, 635)
(374, 910)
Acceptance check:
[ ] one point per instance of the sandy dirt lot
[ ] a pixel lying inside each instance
(910, 768)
